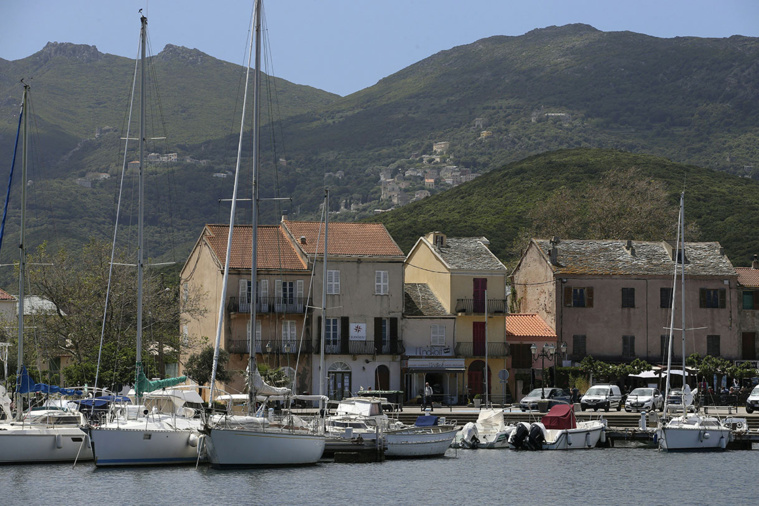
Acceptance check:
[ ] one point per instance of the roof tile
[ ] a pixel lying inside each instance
(522, 325)
(345, 239)
(275, 251)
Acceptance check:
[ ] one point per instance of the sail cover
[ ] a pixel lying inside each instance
(144, 385)
(27, 385)
(260, 387)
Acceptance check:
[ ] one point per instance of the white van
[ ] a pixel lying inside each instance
(602, 396)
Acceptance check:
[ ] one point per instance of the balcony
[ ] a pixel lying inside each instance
(477, 307)
(264, 305)
(361, 348)
(478, 350)
(276, 346)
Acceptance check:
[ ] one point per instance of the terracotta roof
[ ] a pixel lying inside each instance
(611, 257)
(345, 239)
(468, 253)
(528, 325)
(748, 276)
(275, 251)
(420, 301)
(5, 295)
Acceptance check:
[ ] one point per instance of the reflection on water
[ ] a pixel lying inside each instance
(600, 476)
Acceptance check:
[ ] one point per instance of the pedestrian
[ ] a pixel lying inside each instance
(427, 401)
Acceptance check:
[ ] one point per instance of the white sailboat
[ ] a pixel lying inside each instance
(253, 439)
(153, 433)
(690, 431)
(42, 435)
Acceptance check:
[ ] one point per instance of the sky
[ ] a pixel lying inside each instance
(343, 46)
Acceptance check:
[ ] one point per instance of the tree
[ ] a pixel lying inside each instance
(76, 286)
(199, 366)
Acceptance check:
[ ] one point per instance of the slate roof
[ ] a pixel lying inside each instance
(275, 251)
(610, 257)
(748, 277)
(468, 253)
(521, 325)
(420, 301)
(345, 239)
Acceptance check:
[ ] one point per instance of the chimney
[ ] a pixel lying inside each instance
(554, 254)
(755, 262)
(303, 239)
(629, 247)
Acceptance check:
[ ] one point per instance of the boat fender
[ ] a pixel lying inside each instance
(58, 441)
(192, 440)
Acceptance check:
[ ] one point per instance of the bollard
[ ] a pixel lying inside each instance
(642, 423)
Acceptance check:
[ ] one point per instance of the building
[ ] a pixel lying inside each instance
(469, 282)
(523, 331)
(611, 299)
(748, 284)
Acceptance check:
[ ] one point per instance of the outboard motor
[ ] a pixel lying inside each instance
(536, 438)
(469, 437)
(518, 437)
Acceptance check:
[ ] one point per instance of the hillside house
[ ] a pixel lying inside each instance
(748, 284)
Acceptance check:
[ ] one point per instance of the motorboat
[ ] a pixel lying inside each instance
(558, 430)
(430, 436)
(489, 431)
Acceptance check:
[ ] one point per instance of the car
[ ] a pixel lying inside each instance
(554, 395)
(644, 399)
(675, 402)
(602, 396)
(752, 403)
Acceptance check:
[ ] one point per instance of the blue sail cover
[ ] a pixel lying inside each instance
(27, 385)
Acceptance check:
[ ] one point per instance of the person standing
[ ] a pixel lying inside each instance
(427, 397)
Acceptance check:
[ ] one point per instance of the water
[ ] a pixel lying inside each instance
(637, 476)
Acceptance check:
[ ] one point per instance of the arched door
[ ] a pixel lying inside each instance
(382, 378)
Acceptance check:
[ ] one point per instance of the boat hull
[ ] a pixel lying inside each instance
(118, 446)
(581, 438)
(419, 442)
(250, 448)
(44, 444)
(673, 439)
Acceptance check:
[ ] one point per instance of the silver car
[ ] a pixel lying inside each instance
(644, 399)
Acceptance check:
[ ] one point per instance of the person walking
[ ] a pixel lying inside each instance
(427, 397)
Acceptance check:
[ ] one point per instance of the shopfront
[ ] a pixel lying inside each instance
(445, 376)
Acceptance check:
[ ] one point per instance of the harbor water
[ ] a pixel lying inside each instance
(640, 476)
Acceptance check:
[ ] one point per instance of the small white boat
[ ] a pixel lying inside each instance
(558, 430)
(693, 432)
(489, 431)
(429, 437)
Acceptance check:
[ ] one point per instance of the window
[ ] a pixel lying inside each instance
(578, 347)
(628, 297)
(628, 346)
(712, 346)
(385, 333)
(521, 356)
(289, 333)
(578, 297)
(750, 299)
(437, 335)
(333, 282)
(258, 331)
(663, 348)
(381, 283)
(712, 297)
(665, 296)
(332, 332)
(244, 295)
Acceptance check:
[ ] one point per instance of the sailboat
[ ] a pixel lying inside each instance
(44, 435)
(690, 431)
(254, 439)
(158, 432)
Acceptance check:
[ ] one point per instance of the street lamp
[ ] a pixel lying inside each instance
(547, 352)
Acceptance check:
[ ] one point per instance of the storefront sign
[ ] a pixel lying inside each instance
(430, 363)
(430, 351)
(358, 332)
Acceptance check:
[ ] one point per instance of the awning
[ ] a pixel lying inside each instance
(435, 365)
(657, 374)
(439, 369)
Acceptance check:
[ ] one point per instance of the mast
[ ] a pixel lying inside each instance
(141, 208)
(672, 312)
(232, 213)
(22, 248)
(487, 368)
(322, 373)
(682, 286)
(254, 201)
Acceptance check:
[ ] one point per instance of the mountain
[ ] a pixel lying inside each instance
(497, 204)
(496, 101)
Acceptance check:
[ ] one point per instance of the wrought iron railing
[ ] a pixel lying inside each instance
(264, 305)
(476, 306)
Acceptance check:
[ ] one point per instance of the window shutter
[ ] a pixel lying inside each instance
(568, 296)
(702, 298)
(345, 333)
(722, 293)
(589, 297)
(318, 334)
(394, 334)
(377, 336)
(756, 299)
(243, 291)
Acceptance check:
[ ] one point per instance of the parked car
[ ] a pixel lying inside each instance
(675, 402)
(752, 402)
(554, 396)
(602, 396)
(644, 399)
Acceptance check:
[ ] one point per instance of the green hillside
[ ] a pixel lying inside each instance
(497, 205)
